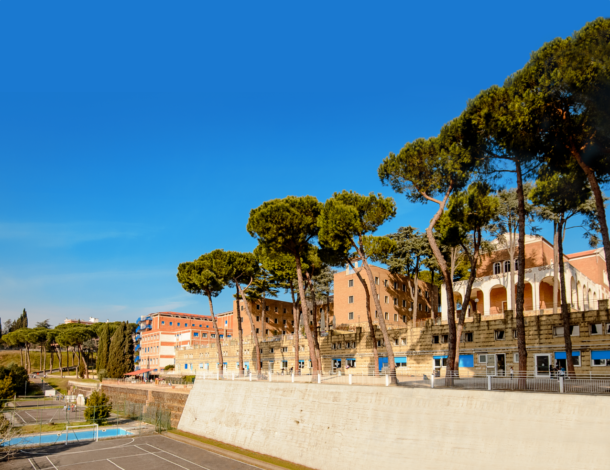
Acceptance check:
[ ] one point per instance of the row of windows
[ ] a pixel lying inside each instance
(348, 345)
(258, 307)
(506, 264)
(350, 283)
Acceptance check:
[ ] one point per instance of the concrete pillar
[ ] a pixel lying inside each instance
(486, 302)
(350, 379)
(293, 377)
(489, 382)
(560, 384)
(387, 380)
(319, 379)
(432, 381)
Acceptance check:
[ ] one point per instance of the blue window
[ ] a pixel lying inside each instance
(400, 361)
(193, 324)
(199, 326)
(178, 323)
(221, 336)
(228, 336)
(163, 322)
(186, 366)
(196, 334)
(382, 361)
(171, 323)
(466, 360)
(207, 326)
(562, 355)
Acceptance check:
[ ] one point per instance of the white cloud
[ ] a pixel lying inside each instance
(65, 234)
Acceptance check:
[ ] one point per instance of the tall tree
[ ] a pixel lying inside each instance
(568, 83)
(243, 268)
(558, 199)
(352, 218)
(323, 291)
(430, 171)
(470, 212)
(43, 324)
(103, 348)
(407, 258)
(206, 276)
(289, 226)
(118, 364)
(263, 286)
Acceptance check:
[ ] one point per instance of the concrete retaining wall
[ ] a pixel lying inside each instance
(357, 427)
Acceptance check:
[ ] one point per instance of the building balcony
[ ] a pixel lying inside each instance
(136, 359)
(137, 348)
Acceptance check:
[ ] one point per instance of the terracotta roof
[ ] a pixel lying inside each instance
(581, 253)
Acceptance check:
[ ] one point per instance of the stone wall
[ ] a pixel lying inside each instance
(420, 345)
(170, 400)
(82, 388)
(338, 427)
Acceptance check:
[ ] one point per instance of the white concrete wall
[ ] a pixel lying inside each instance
(355, 427)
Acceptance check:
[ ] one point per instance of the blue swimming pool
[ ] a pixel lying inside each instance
(60, 437)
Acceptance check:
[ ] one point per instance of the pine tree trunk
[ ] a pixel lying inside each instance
(315, 323)
(476, 239)
(59, 358)
(520, 320)
(253, 328)
(45, 358)
(21, 356)
(565, 311)
(382, 325)
(415, 294)
(599, 204)
(295, 315)
(444, 270)
(370, 321)
(310, 342)
(218, 345)
(555, 267)
(240, 338)
(28, 358)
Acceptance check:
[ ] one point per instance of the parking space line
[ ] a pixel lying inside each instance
(151, 453)
(210, 451)
(32, 464)
(115, 464)
(51, 462)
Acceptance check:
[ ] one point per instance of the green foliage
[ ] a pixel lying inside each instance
(98, 408)
(43, 324)
(348, 216)
(286, 225)
(118, 364)
(12, 381)
(103, 347)
(169, 367)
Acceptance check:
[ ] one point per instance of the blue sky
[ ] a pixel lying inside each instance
(137, 135)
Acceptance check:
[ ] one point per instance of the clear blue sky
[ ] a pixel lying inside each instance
(137, 135)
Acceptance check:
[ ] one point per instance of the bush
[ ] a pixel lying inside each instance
(98, 408)
(169, 367)
(12, 381)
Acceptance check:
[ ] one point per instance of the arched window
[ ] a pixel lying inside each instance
(497, 268)
(506, 266)
(516, 265)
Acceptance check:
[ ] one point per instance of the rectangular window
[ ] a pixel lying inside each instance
(419, 307)
(385, 283)
(377, 280)
(395, 317)
(275, 320)
(195, 334)
(558, 331)
(404, 288)
(376, 315)
(285, 349)
(395, 301)
(284, 310)
(396, 285)
(242, 307)
(170, 323)
(404, 318)
(445, 338)
(379, 342)
(403, 341)
(270, 350)
(351, 362)
(514, 334)
(204, 335)
(435, 339)
(178, 323)
(213, 336)
(574, 330)
(275, 309)
(404, 304)
(499, 335)
(469, 337)
(350, 299)
(427, 295)
(266, 308)
(386, 299)
(284, 322)
(482, 358)
(257, 331)
(396, 342)
(258, 318)
(258, 307)
(163, 322)
(350, 316)
(596, 328)
(387, 316)
(516, 358)
(350, 283)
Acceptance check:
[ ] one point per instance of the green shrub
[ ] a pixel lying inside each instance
(98, 408)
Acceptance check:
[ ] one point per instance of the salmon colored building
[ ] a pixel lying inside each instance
(585, 276)
(394, 296)
(158, 335)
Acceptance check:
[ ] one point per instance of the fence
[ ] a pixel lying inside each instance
(591, 384)
(29, 421)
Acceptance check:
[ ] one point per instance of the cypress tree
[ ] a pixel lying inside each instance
(128, 357)
(103, 348)
(24, 319)
(115, 365)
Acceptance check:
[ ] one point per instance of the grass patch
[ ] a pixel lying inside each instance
(239, 450)
(37, 428)
(12, 356)
(61, 385)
